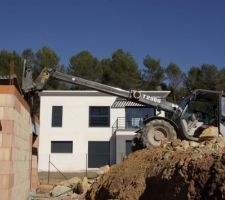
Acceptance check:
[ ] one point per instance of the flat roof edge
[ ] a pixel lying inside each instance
(90, 93)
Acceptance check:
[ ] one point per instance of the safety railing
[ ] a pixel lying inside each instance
(123, 123)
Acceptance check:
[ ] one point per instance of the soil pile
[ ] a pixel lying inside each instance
(176, 170)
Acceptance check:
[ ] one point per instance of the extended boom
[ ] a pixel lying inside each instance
(199, 110)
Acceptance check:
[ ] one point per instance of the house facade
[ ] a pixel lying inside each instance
(87, 129)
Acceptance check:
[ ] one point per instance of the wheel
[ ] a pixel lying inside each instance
(157, 131)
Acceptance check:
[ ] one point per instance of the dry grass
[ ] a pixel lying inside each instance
(56, 177)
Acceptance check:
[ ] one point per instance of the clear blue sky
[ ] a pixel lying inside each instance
(187, 32)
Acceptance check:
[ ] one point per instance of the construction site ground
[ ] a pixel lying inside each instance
(175, 170)
(56, 177)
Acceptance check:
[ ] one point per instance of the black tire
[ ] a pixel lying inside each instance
(157, 131)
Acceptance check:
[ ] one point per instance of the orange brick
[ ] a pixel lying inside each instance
(34, 182)
(5, 194)
(36, 142)
(6, 181)
(18, 142)
(8, 113)
(16, 129)
(5, 154)
(11, 180)
(0, 139)
(7, 126)
(10, 89)
(7, 100)
(18, 106)
(6, 167)
(7, 140)
(1, 113)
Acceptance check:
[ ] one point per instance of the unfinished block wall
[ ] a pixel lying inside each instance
(34, 170)
(15, 145)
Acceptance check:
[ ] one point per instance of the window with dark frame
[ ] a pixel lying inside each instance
(98, 153)
(136, 115)
(57, 113)
(61, 146)
(99, 116)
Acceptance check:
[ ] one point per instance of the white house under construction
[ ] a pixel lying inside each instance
(87, 129)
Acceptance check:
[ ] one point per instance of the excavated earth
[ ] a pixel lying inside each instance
(176, 170)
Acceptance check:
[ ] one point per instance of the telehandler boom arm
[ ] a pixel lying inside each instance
(132, 95)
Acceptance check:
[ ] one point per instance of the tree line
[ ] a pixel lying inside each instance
(120, 70)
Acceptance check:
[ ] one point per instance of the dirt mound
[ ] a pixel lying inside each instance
(177, 170)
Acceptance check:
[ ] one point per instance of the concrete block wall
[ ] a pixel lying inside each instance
(15, 145)
(34, 170)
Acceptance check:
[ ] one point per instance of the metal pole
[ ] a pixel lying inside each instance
(58, 170)
(48, 168)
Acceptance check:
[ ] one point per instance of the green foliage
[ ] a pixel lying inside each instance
(6, 58)
(123, 71)
(46, 57)
(105, 66)
(120, 70)
(174, 77)
(221, 80)
(204, 77)
(28, 54)
(153, 73)
(209, 76)
(84, 65)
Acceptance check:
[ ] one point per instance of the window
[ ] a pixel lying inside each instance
(136, 115)
(61, 147)
(99, 116)
(98, 154)
(203, 107)
(57, 116)
(128, 147)
(223, 106)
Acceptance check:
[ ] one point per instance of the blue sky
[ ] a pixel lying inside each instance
(187, 32)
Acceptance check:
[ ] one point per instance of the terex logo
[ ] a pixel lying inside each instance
(150, 98)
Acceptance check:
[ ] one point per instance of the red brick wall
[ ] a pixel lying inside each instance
(15, 145)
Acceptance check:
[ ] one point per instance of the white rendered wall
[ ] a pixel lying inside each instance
(75, 127)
